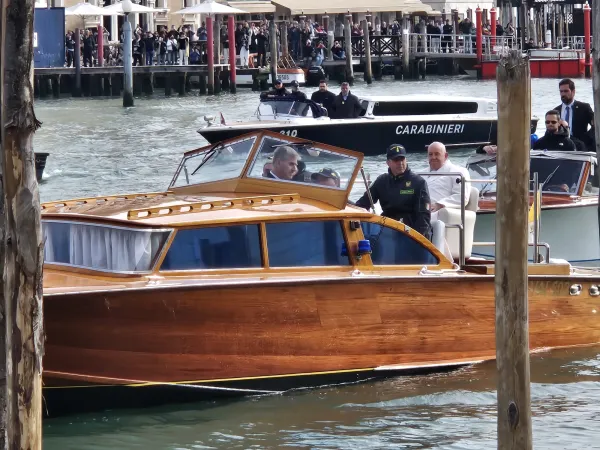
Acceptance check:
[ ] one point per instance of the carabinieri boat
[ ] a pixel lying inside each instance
(236, 282)
(414, 120)
(569, 206)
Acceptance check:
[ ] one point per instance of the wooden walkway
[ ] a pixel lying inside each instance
(113, 70)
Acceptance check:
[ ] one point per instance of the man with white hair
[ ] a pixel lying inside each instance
(444, 190)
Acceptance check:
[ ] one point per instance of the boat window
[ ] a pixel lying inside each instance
(219, 162)
(421, 108)
(283, 107)
(100, 247)
(560, 176)
(288, 162)
(303, 244)
(364, 107)
(232, 247)
(593, 182)
(392, 247)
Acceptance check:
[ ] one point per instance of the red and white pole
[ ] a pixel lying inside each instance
(587, 17)
(479, 35)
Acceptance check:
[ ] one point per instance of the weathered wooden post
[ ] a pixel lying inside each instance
(596, 80)
(285, 51)
(368, 73)
(232, 54)
(512, 326)
(76, 91)
(348, 42)
(405, 48)
(3, 361)
(210, 56)
(127, 57)
(217, 39)
(274, 49)
(23, 245)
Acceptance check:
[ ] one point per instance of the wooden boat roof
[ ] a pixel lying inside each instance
(226, 182)
(173, 210)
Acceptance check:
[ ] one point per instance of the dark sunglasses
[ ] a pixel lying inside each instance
(551, 121)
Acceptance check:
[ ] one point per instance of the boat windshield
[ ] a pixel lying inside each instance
(290, 162)
(284, 107)
(219, 162)
(101, 247)
(558, 175)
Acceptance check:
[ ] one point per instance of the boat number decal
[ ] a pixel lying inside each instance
(292, 133)
(283, 77)
(549, 287)
(452, 128)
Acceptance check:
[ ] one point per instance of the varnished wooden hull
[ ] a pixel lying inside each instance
(274, 334)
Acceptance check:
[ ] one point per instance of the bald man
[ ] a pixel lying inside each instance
(444, 190)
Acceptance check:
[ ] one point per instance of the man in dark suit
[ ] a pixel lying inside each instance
(575, 115)
(285, 164)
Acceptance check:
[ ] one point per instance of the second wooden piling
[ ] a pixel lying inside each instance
(368, 71)
(512, 205)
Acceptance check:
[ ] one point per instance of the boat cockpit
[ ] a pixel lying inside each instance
(275, 107)
(572, 174)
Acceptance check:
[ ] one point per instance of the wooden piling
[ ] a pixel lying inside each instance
(138, 84)
(596, 79)
(587, 37)
(168, 85)
(115, 85)
(217, 39)
(202, 82)
(405, 49)
(368, 73)
(107, 86)
(149, 84)
(512, 204)
(284, 40)
(93, 88)
(348, 42)
(274, 49)
(23, 248)
(127, 64)
(43, 86)
(210, 56)
(181, 84)
(76, 92)
(232, 54)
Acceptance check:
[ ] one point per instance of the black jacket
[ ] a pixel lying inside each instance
(324, 98)
(298, 95)
(345, 109)
(280, 92)
(404, 197)
(582, 117)
(558, 141)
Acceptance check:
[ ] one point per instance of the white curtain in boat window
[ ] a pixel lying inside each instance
(100, 247)
(110, 248)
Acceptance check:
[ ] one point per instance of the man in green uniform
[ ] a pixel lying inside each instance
(402, 194)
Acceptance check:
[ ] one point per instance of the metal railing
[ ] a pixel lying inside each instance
(570, 42)
(496, 47)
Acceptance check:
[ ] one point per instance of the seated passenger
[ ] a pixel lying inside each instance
(556, 137)
(285, 163)
(267, 168)
(326, 177)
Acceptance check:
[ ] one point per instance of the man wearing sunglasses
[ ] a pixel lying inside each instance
(556, 137)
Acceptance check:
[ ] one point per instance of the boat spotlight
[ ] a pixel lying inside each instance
(209, 119)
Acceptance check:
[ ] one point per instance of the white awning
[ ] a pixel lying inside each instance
(254, 7)
(353, 6)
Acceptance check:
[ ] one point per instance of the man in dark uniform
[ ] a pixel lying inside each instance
(576, 115)
(279, 89)
(402, 194)
(557, 136)
(346, 105)
(324, 97)
(296, 93)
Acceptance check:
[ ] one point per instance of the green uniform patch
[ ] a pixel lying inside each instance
(407, 191)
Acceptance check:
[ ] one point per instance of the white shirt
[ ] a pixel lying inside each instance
(563, 114)
(444, 189)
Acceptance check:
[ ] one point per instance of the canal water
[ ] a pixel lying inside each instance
(97, 147)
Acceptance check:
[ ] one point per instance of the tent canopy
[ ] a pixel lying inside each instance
(210, 7)
(353, 6)
(86, 9)
(135, 8)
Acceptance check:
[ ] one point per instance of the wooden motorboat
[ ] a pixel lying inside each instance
(232, 283)
(569, 207)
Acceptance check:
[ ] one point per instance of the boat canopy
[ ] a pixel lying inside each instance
(567, 173)
(252, 164)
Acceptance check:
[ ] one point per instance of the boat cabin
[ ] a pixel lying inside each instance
(257, 206)
(563, 175)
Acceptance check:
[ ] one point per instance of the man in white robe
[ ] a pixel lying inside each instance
(444, 190)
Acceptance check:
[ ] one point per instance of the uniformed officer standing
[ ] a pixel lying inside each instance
(402, 194)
